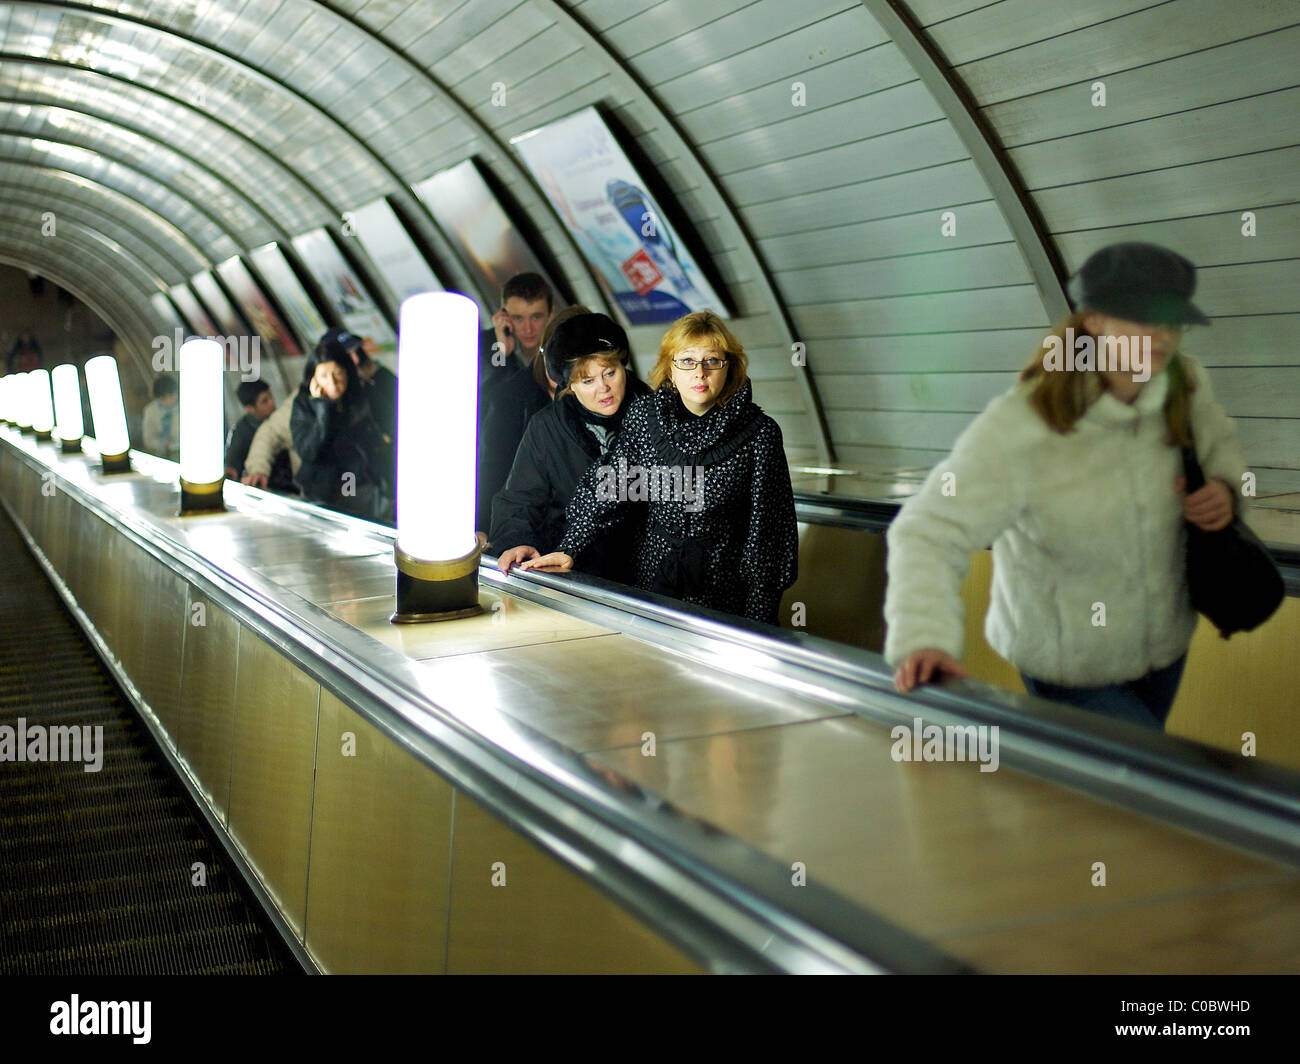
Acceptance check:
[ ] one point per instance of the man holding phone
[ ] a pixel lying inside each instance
(508, 391)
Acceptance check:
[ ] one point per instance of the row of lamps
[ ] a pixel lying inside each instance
(437, 550)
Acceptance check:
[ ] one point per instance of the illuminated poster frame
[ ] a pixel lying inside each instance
(393, 252)
(301, 310)
(196, 318)
(205, 284)
(265, 320)
(168, 315)
(343, 289)
(606, 206)
(489, 243)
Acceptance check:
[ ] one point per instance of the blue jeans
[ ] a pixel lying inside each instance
(1145, 701)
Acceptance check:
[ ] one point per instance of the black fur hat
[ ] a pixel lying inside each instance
(584, 336)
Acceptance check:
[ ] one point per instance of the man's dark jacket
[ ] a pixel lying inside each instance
(507, 397)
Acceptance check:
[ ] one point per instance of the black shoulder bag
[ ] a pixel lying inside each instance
(1233, 579)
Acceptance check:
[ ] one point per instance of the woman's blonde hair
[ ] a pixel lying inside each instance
(607, 360)
(702, 327)
(1061, 396)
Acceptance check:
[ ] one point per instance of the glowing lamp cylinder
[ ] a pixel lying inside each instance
(203, 426)
(108, 413)
(22, 403)
(68, 426)
(38, 387)
(437, 548)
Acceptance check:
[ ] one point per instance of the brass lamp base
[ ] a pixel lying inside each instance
(70, 446)
(437, 591)
(115, 463)
(202, 498)
(43, 435)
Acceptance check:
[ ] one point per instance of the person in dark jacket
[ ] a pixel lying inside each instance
(587, 358)
(346, 462)
(508, 392)
(710, 468)
(259, 404)
(377, 382)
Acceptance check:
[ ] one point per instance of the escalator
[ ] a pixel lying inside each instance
(109, 871)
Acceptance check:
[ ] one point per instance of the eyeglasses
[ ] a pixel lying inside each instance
(709, 364)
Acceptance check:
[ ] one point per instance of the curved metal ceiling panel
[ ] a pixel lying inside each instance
(132, 182)
(262, 175)
(59, 184)
(156, 51)
(190, 177)
(78, 238)
(34, 208)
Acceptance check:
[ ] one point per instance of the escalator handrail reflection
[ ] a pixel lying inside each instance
(1156, 773)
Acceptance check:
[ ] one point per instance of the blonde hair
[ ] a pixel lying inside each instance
(1060, 397)
(705, 326)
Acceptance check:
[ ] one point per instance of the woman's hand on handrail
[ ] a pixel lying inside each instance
(550, 563)
(926, 666)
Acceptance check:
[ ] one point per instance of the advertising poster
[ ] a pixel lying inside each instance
(392, 250)
(168, 318)
(302, 313)
(215, 300)
(620, 229)
(343, 288)
(478, 226)
(257, 309)
(195, 316)
(241, 355)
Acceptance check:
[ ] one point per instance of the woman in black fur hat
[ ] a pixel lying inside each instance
(587, 359)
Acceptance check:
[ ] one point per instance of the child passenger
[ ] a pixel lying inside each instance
(1075, 477)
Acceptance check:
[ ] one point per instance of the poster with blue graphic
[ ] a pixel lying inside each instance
(615, 222)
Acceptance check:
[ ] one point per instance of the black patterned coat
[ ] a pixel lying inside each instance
(735, 547)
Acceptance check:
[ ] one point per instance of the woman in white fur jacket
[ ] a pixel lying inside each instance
(1075, 478)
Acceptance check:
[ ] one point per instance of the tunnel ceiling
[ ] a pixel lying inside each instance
(167, 136)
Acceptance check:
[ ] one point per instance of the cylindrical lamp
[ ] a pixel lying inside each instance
(437, 549)
(68, 424)
(38, 387)
(22, 404)
(108, 414)
(203, 426)
(7, 398)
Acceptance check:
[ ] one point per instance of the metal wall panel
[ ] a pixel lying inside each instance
(1161, 31)
(203, 726)
(272, 765)
(377, 895)
(1234, 68)
(516, 911)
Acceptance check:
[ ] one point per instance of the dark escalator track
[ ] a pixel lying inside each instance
(97, 869)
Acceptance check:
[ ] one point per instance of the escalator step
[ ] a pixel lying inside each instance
(97, 868)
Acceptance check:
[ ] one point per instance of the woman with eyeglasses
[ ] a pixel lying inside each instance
(709, 469)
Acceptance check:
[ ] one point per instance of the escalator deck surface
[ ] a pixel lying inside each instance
(106, 872)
